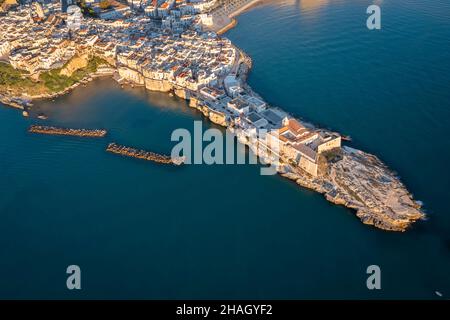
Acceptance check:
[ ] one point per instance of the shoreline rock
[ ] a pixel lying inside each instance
(374, 192)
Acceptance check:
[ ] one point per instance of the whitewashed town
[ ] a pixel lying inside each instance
(177, 47)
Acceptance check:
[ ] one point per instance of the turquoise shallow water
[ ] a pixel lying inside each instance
(142, 230)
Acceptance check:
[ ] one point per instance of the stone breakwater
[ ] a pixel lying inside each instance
(67, 132)
(142, 154)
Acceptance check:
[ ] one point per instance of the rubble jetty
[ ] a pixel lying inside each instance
(67, 131)
(142, 154)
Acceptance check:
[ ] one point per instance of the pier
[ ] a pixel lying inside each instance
(67, 132)
(142, 154)
(224, 13)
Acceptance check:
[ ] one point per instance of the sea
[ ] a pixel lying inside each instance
(142, 230)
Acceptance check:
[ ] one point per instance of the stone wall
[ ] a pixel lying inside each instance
(218, 118)
(131, 75)
(158, 85)
(182, 93)
(308, 166)
(332, 144)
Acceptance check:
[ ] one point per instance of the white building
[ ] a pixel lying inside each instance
(238, 106)
(74, 17)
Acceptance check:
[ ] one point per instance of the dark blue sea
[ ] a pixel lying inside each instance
(142, 230)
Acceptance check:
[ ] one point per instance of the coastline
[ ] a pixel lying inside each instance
(338, 185)
(24, 102)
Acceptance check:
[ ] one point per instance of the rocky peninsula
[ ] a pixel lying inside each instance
(177, 55)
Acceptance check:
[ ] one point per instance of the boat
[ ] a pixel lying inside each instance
(346, 138)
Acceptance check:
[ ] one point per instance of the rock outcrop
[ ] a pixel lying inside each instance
(158, 85)
(77, 62)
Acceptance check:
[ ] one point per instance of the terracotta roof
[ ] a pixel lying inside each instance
(283, 130)
(295, 126)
